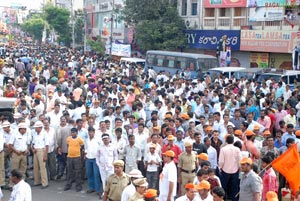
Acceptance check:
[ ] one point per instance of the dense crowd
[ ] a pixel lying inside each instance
(136, 135)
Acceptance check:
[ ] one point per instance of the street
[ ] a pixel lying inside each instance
(55, 192)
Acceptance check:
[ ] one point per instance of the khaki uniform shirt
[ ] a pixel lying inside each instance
(187, 161)
(115, 186)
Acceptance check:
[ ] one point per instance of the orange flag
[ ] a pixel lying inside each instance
(288, 164)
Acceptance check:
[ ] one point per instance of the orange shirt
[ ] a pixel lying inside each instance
(74, 146)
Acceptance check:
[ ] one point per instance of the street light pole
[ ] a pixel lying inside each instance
(111, 28)
(73, 24)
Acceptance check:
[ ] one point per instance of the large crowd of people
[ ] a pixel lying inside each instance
(135, 135)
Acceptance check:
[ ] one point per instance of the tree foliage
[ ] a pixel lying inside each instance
(157, 23)
(34, 26)
(96, 45)
(59, 18)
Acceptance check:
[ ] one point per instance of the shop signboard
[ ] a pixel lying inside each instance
(268, 41)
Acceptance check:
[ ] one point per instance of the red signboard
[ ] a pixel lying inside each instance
(224, 3)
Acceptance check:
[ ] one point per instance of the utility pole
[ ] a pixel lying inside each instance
(73, 24)
(111, 27)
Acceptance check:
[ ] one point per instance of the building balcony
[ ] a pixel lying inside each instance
(209, 23)
(224, 22)
(239, 21)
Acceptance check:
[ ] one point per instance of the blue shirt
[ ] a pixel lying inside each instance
(285, 136)
(180, 144)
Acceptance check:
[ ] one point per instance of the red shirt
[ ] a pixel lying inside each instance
(176, 149)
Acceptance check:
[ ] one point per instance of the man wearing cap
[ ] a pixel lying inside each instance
(153, 162)
(140, 187)
(75, 145)
(106, 155)
(251, 183)
(187, 166)
(203, 189)
(168, 177)
(190, 193)
(19, 143)
(171, 146)
(40, 146)
(250, 146)
(116, 183)
(130, 189)
(6, 134)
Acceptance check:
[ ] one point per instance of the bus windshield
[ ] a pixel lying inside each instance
(193, 65)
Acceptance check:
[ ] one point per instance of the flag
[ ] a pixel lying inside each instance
(288, 164)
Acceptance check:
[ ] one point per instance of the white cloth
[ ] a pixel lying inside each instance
(128, 192)
(52, 139)
(152, 157)
(21, 192)
(185, 198)
(169, 174)
(212, 157)
(91, 147)
(19, 141)
(40, 141)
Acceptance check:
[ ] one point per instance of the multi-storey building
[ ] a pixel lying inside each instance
(260, 33)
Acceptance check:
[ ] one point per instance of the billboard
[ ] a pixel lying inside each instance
(266, 3)
(268, 41)
(224, 3)
(260, 14)
(208, 39)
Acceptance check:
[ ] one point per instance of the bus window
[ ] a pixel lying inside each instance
(160, 60)
(181, 63)
(192, 64)
(151, 59)
(170, 62)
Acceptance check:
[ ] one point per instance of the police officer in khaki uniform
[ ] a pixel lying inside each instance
(116, 183)
(140, 187)
(187, 166)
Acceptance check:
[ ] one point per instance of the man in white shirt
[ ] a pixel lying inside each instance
(211, 152)
(40, 146)
(19, 143)
(168, 178)
(55, 116)
(51, 159)
(92, 144)
(106, 155)
(141, 142)
(21, 189)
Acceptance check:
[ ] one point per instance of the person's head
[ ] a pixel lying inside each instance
(91, 131)
(118, 167)
(265, 161)
(290, 128)
(290, 142)
(203, 188)
(190, 190)
(131, 139)
(211, 173)
(38, 126)
(246, 165)
(74, 132)
(168, 156)
(15, 176)
(197, 137)
(230, 139)
(22, 128)
(188, 147)
(140, 185)
(218, 193)
(205, 164)
(202, 174)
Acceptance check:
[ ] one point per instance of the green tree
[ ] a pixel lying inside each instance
(157, 23)
(58, 18)
(34, 26)
(96, 45)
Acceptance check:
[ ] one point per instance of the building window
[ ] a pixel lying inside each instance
(209, 12)
(184, 7)
(194, 8)
(222, 12)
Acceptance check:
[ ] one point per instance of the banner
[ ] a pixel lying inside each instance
(224, 3)
(266, 14)
(259, 60)
(121, 50)
(266, 3)
(208, 39)
(268, 41)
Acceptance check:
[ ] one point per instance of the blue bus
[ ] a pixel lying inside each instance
(178, 62)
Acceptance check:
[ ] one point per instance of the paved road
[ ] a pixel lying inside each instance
(55, 192)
